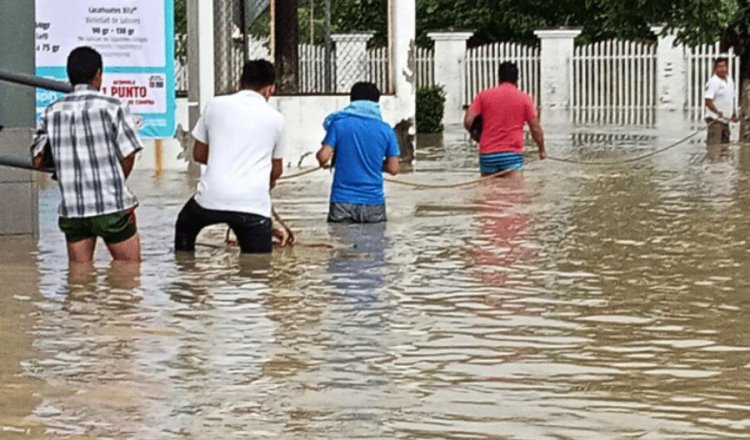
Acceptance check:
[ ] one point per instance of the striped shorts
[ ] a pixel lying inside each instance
(495, 162)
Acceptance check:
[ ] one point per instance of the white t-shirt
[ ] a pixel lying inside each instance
(243, 133)
(722, 93)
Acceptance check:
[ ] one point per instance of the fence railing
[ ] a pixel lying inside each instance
(611, 81)
(312, 68)
(614, 81)
(699, 63)
(378, 67)
(482, 65)
(425, 60)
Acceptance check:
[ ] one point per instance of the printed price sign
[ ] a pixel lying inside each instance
(136, 40)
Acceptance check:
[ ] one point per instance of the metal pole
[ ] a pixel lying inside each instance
(21, 163)
(328, 48)
(35, 81)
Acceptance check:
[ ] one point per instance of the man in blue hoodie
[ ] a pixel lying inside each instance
(362, 146)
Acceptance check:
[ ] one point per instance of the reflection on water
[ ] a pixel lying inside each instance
(576, 302)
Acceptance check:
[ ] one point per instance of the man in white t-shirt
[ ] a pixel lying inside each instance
(240, 138)
(719, 96)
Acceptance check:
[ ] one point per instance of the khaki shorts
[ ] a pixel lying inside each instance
(112, 228)
(718, 132)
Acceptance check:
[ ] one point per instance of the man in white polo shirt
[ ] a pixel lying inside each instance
(719, 96)
(240, 139)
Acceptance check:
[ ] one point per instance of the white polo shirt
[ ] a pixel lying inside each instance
(243, 133)
(722, 93)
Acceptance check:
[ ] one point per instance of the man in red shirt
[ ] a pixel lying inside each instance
(504, 110)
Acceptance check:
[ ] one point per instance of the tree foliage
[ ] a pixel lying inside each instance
(696, 21)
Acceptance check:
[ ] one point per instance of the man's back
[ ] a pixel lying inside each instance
(504, 110)
(361, 145)
(243, 133)
(89, 134)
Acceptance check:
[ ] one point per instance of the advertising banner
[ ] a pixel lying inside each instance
(136, 40)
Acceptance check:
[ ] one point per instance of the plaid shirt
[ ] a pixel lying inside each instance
(89, 134)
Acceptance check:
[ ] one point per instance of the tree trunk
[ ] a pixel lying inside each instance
(286, 36)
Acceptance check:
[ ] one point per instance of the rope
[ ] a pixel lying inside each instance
(448, 185)
(291, 239)
(637, 158)
(300, 174)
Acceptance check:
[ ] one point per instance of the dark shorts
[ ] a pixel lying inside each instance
(112, 228)
(253, 231)
(350, 213)
(495, 162)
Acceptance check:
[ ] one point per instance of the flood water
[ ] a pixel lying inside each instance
(581, 302)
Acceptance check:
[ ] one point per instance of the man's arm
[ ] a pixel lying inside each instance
(538, 135)
(324, 156)
(469, 117)
(128, 142)
(39, 144)
(712, 107)
(127, 164)
(200, 152)
(391, 165)
(277, 169)
(38, 161)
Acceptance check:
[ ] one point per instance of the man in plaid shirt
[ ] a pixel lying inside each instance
(93, 142)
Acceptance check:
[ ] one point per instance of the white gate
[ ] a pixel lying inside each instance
(614, 82)
(482, 64)
(425, 67)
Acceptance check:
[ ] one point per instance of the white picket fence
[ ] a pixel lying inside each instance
(312, 69)
(699, 63)
(425, 60)
(614, 82)
(482, 65)
(378, 68)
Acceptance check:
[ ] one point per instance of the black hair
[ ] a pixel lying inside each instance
(366, 91)
(83, 65)
(257, 74)
(721, 60)
(508, 72)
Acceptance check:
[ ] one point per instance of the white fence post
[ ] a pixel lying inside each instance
(450, 53)
(556, 67)
(352, 60)
(671, 73)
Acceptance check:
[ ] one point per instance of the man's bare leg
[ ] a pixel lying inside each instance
(128, 250)
(82, 251)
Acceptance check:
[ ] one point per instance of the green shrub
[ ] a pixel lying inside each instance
(430, 109)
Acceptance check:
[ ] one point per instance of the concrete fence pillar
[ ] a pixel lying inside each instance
(351, 59)
(450, 72)
(556, 67)
(18, 189)
(671, 73)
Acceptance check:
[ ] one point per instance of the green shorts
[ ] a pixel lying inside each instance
(112, 228)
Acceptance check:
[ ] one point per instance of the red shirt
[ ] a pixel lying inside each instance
(504, 110)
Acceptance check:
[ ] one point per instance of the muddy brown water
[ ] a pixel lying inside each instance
(580, 302)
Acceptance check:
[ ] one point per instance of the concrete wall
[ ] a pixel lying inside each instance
(18, 188)
(304, 117)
